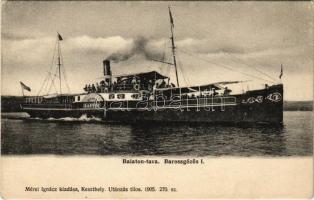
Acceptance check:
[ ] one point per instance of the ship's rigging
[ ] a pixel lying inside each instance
(146, 96)
(238, 65)
(56, 71)
(232, 58)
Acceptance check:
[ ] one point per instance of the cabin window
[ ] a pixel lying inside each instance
(111, 96)
(135, 96)
(121, 96)
(78, 98)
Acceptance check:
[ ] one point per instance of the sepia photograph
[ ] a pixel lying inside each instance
(171, 83)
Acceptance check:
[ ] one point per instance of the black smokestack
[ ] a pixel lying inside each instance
(107, 70)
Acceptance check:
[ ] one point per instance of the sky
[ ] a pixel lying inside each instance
(215, 41)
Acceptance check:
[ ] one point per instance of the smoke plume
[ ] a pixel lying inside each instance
(140, 46)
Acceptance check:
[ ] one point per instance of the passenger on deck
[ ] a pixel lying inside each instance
(103, 86)
(86, 88)
(266, 86)
(102, 83)
(173, 85)
(163, 84)
(227, 91)
(133, 81)
(89, 88)
(118, 79)
(114, 85)
(93, 88)
(214, 92)
(154, 86)
(97, 88)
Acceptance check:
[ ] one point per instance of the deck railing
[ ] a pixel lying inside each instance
(207, 103)
(158, 104)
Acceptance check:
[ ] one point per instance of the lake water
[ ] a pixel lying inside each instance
(21, 135)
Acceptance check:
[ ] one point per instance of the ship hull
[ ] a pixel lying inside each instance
(58, 113)
(235, 114)
(258, 106)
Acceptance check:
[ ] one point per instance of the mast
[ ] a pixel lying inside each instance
(59, 61)
(55, 72)
(173, 46)
(59, 66)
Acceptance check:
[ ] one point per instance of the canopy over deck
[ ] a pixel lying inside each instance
(152, 75)
(189, 89)
(207, 87)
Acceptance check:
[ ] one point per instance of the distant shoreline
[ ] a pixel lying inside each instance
(12, 104)
(298, 106)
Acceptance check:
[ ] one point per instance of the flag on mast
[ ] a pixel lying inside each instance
(59, 37)
(171, 19)
(281, 72)
(25, 87)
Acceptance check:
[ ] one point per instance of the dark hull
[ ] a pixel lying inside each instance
(236, 114)
(258, 106)
(74, 113)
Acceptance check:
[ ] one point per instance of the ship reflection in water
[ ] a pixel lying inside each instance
(91, 137)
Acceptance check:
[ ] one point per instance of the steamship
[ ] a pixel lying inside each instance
(151, 97)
